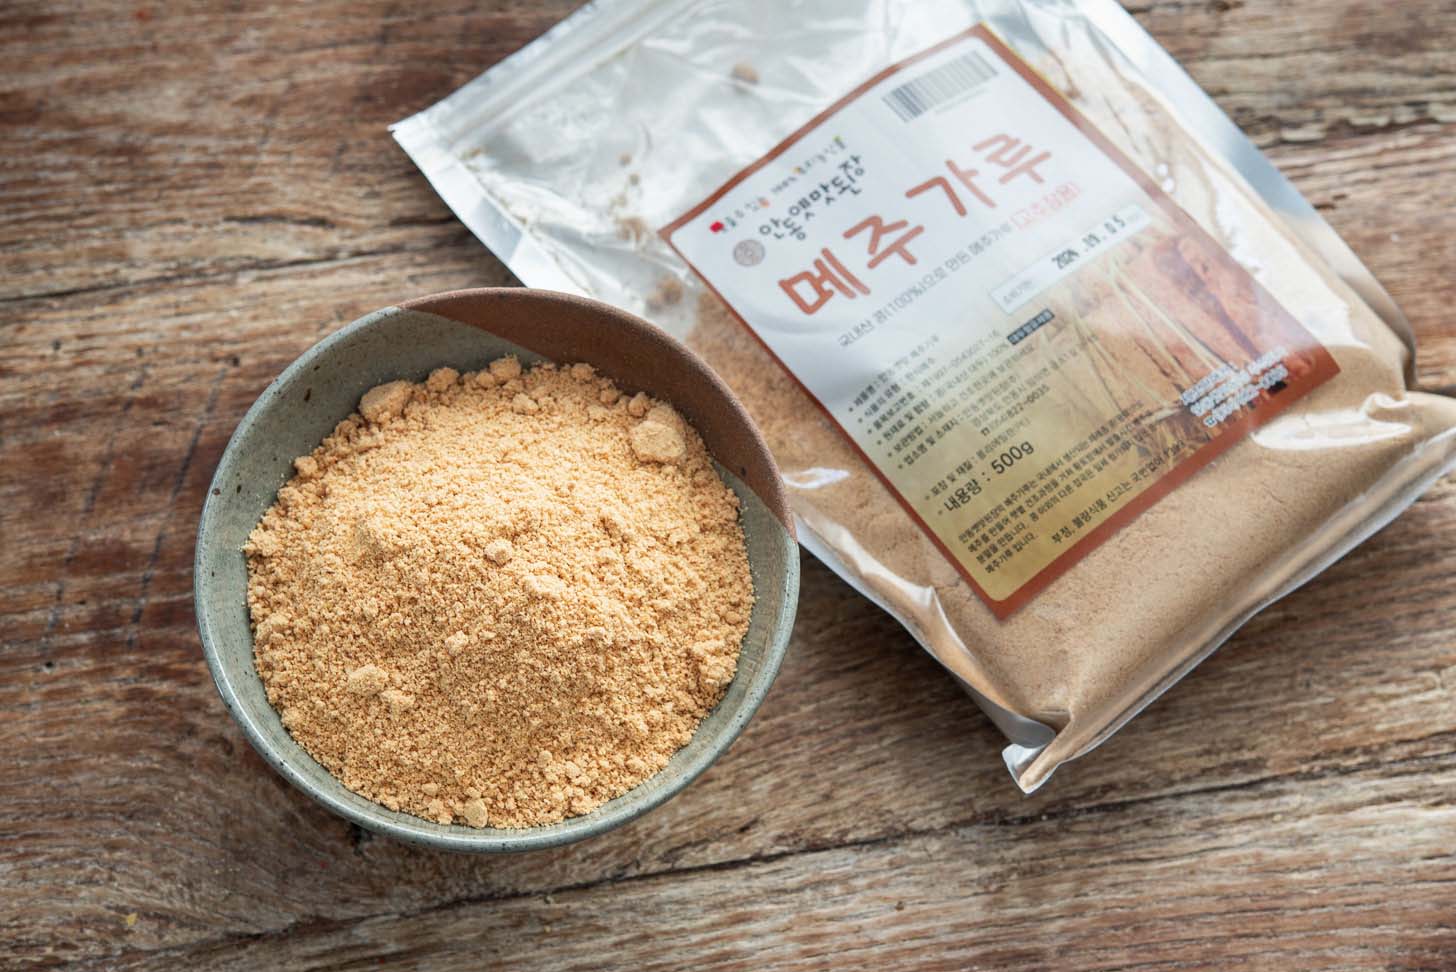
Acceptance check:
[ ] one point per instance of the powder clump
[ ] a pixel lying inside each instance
(499, 598)
(744, 73)
(667, 292)
(659, 437)
(383, 402)
(499, 551)
(367, 680)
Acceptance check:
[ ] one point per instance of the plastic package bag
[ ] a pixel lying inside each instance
(1058, 369)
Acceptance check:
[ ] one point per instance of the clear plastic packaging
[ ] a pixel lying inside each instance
(576, 159)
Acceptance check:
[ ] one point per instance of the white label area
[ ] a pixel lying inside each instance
(907, 210)
(1027, 341)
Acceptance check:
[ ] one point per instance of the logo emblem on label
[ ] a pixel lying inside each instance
(748, 253)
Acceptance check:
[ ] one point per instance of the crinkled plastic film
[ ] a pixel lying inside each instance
(568, 158)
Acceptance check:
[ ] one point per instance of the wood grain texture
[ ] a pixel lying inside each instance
(196, 194)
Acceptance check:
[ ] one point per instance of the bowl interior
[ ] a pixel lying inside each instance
(323, 386)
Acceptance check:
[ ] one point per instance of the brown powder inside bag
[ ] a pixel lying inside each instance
(1143, 607)
(501, 598)
(1128, 618)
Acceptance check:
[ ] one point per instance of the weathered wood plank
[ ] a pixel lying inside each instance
(863, 741)
(1284, 877)
(199, 141)
(198, 219)
(1307, 72)
(269, 148)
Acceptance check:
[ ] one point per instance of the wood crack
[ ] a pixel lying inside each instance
(261, 266)
(166, 524)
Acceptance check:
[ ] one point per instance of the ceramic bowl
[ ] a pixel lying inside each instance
(465, 330)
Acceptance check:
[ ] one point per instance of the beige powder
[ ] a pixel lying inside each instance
(667, 292)
(499, 598)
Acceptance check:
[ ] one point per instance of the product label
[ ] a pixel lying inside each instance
(1018, 329)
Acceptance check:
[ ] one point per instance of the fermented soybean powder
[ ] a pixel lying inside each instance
(499, 598)
(1057, 368)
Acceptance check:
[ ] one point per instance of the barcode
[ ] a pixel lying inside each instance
(914, 98)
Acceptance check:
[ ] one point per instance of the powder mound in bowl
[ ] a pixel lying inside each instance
(499, 598)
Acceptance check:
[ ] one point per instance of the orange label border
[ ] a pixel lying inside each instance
(1258, 413)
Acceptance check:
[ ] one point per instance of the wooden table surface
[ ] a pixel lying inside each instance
(192, 195)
